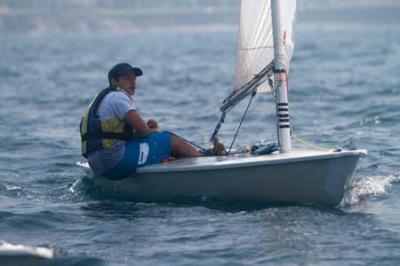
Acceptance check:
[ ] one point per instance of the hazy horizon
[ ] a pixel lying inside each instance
(129, 15)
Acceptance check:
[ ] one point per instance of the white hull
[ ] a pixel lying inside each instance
(18, 255)
(302, 177)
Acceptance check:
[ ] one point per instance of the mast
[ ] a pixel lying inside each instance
(280, 78)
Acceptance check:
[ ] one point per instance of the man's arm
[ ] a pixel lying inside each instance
(135, 121)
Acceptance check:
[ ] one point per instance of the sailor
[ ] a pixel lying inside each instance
(115, 138)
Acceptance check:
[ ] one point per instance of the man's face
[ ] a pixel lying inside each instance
(127, 82)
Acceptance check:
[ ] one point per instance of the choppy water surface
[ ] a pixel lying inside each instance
(345, 91)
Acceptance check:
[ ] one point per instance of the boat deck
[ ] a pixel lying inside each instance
(240, 160)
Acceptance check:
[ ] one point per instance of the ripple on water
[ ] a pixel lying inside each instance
(12, 190)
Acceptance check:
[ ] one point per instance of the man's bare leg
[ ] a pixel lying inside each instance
(181, 148)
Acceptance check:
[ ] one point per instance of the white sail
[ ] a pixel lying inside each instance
(255, 48)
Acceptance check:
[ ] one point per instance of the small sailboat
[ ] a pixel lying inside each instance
(266, 176)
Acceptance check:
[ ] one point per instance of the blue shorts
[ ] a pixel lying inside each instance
(139, 152)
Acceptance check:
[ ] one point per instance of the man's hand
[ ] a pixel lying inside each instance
(219, 148)
(152, 124)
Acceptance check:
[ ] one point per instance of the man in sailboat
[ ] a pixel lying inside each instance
(115, 138)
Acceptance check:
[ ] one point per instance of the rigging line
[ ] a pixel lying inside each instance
(218, 127)
(241, 122)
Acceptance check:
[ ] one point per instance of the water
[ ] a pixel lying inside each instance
(345, 91)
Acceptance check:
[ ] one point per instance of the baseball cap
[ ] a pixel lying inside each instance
(123, 69)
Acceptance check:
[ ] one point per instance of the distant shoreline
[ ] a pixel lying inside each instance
(104, 20)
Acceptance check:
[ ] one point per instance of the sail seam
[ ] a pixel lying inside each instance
(256, 48)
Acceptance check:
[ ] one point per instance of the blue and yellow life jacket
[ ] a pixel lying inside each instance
(99, 134)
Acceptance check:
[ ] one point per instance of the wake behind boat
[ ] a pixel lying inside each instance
(285, 176)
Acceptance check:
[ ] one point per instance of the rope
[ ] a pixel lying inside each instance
(308, 144)
(241, 122)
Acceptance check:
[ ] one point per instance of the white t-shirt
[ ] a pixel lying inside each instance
(115, 105)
